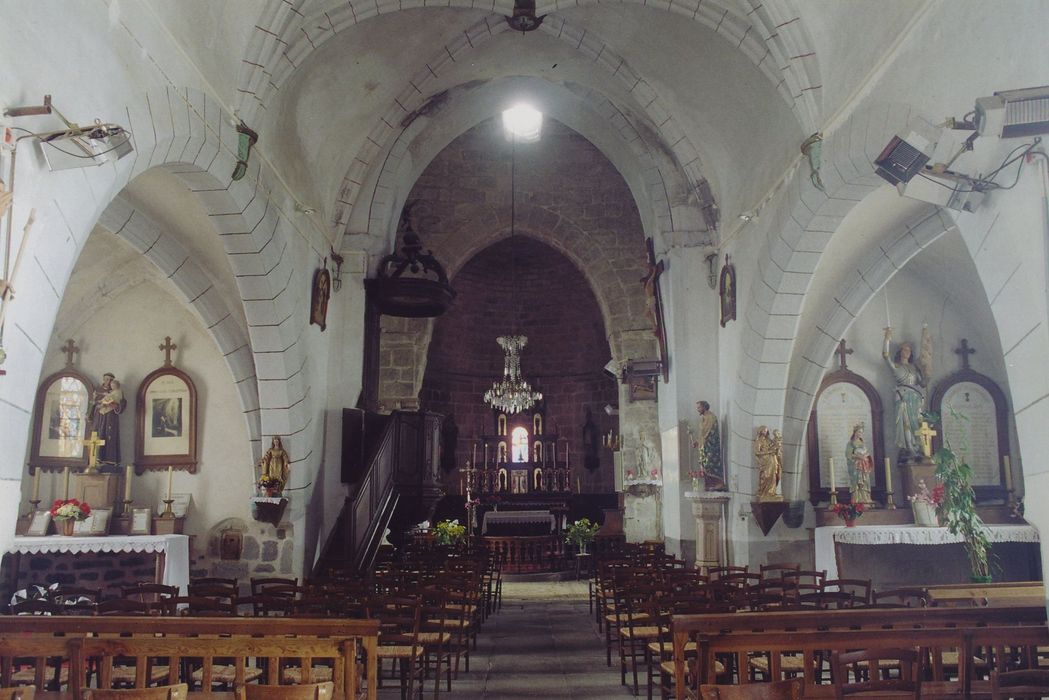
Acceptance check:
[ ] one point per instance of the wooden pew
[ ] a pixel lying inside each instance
(829, 630)
(276, 639)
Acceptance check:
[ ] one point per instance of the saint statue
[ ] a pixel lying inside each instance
(107, 404)
(647, 458)
(912, 379)
(709, 447)
(860, 463)
(275, 462)
(768, 457)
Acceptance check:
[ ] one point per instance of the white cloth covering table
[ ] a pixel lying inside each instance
(830, 539)
(172, 551)
(518, 517)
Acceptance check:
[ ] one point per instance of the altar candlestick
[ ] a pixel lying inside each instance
(127, 483)
(568, 454)
(888, 322)
(1008, 474)
(578, 485)
(171, 471)
(473, 459)
(833, 488)
(36, 485)
(486, 454)
(888, 474)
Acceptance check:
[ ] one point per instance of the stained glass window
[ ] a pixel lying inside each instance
(519, 445)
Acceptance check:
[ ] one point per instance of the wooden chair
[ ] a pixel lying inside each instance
(778, 570)
(900, 598)
(1026, 683)
(123, 606)
(162, 692)
(149, 592)
(259, 585)
(871, 676)
(311, 691)
(24, 692)
(37, 606)
(792, 689)
(399, 620)
(846, 593)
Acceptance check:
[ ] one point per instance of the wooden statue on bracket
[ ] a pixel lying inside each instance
(166, 418)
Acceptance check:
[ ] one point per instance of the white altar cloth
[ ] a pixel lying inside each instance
(174, 549)
(829, 538)
(517, 517)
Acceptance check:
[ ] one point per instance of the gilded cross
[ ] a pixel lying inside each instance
(93, 444)
(926, 434)
(965, 351)
(167, 347)
(842, 352)
(70, 349)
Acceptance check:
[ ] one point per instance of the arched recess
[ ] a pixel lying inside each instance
(769, 33)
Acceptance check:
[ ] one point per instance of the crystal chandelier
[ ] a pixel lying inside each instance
(512, 394)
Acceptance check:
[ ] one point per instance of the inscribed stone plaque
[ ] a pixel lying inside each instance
(840, 407)
(969, 419)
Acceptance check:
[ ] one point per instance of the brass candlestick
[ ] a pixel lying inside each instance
(890, 504)
(33, 507)
(168, 513)
(126, 508)
(834, 497)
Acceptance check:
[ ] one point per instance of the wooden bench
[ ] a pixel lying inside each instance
(73, 644)
(811, 634)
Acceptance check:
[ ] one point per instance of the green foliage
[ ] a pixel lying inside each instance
(581, 532)
(449, 532)
(958, 509)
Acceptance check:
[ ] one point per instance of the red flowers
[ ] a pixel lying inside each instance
(70, 508)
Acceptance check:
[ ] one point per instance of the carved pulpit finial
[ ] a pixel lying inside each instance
(842, 352)
(92, 444)
(965, 351)
(167, 347)
(926, 434)
(71, 350)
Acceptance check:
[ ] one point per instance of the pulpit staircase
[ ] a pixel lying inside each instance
(392, 465)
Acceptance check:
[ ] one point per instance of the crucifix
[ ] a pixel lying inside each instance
(965, 351)
(926, 434)
(70, 349)
(654, 303)
(167, 347)
(842, 352)
(92, 444)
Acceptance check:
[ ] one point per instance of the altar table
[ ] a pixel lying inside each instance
(172, 551)
(518, 517)
(830, 539)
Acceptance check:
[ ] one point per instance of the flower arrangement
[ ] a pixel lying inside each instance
(270, 484)
(70, 509)
(629, 474)
(449, 532)
(933, 498)
(848, 511)
(654, 474)
(581, 533)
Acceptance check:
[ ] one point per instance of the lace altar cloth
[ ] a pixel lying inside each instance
(175, 549)
(908, 534)
(519, 517)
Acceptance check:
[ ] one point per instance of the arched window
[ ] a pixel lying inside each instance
(519, 443)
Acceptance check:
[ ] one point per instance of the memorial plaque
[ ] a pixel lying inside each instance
(969, 418)
(840, 407)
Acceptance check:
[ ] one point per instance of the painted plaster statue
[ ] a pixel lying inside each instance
(912, 380)
(108, 403)
(860, 463)
(647, 457)
(709, 447)
(769, 461)
(275, 463)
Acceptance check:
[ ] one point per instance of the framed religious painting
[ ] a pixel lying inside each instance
(61, 420)
(845, 401)
(974, 422)
(727, 292)
(166, 421)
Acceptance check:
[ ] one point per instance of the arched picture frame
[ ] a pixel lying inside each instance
(61, 420)
(166, 421)
(844, 399)
(978, 397)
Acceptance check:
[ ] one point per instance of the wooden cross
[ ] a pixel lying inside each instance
(965, 351)
(167, 347)
(842, 352)
(926, 434)
(70, 349)
(92, 445)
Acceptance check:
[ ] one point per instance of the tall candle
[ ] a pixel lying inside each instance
(127, 483)
(888, 321)
(578, 485)
(36, 485)
(485, 455)
(171, 471)
(568, 454)
(473, 459)
(1008, 473)
(832, 486)
(888, 474)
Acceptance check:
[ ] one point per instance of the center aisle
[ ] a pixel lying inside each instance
(542, 644)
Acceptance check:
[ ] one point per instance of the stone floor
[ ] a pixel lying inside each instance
(542, 644)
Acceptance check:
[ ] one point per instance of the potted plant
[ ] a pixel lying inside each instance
(957, 511)
(449, 532)
(848, 512)
(925, 503)
(270, 485)
(67, 512)
(581, 533)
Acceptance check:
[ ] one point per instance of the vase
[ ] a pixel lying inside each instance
(850, 522)
(924, 514)
(981, 579)
(66, 526)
